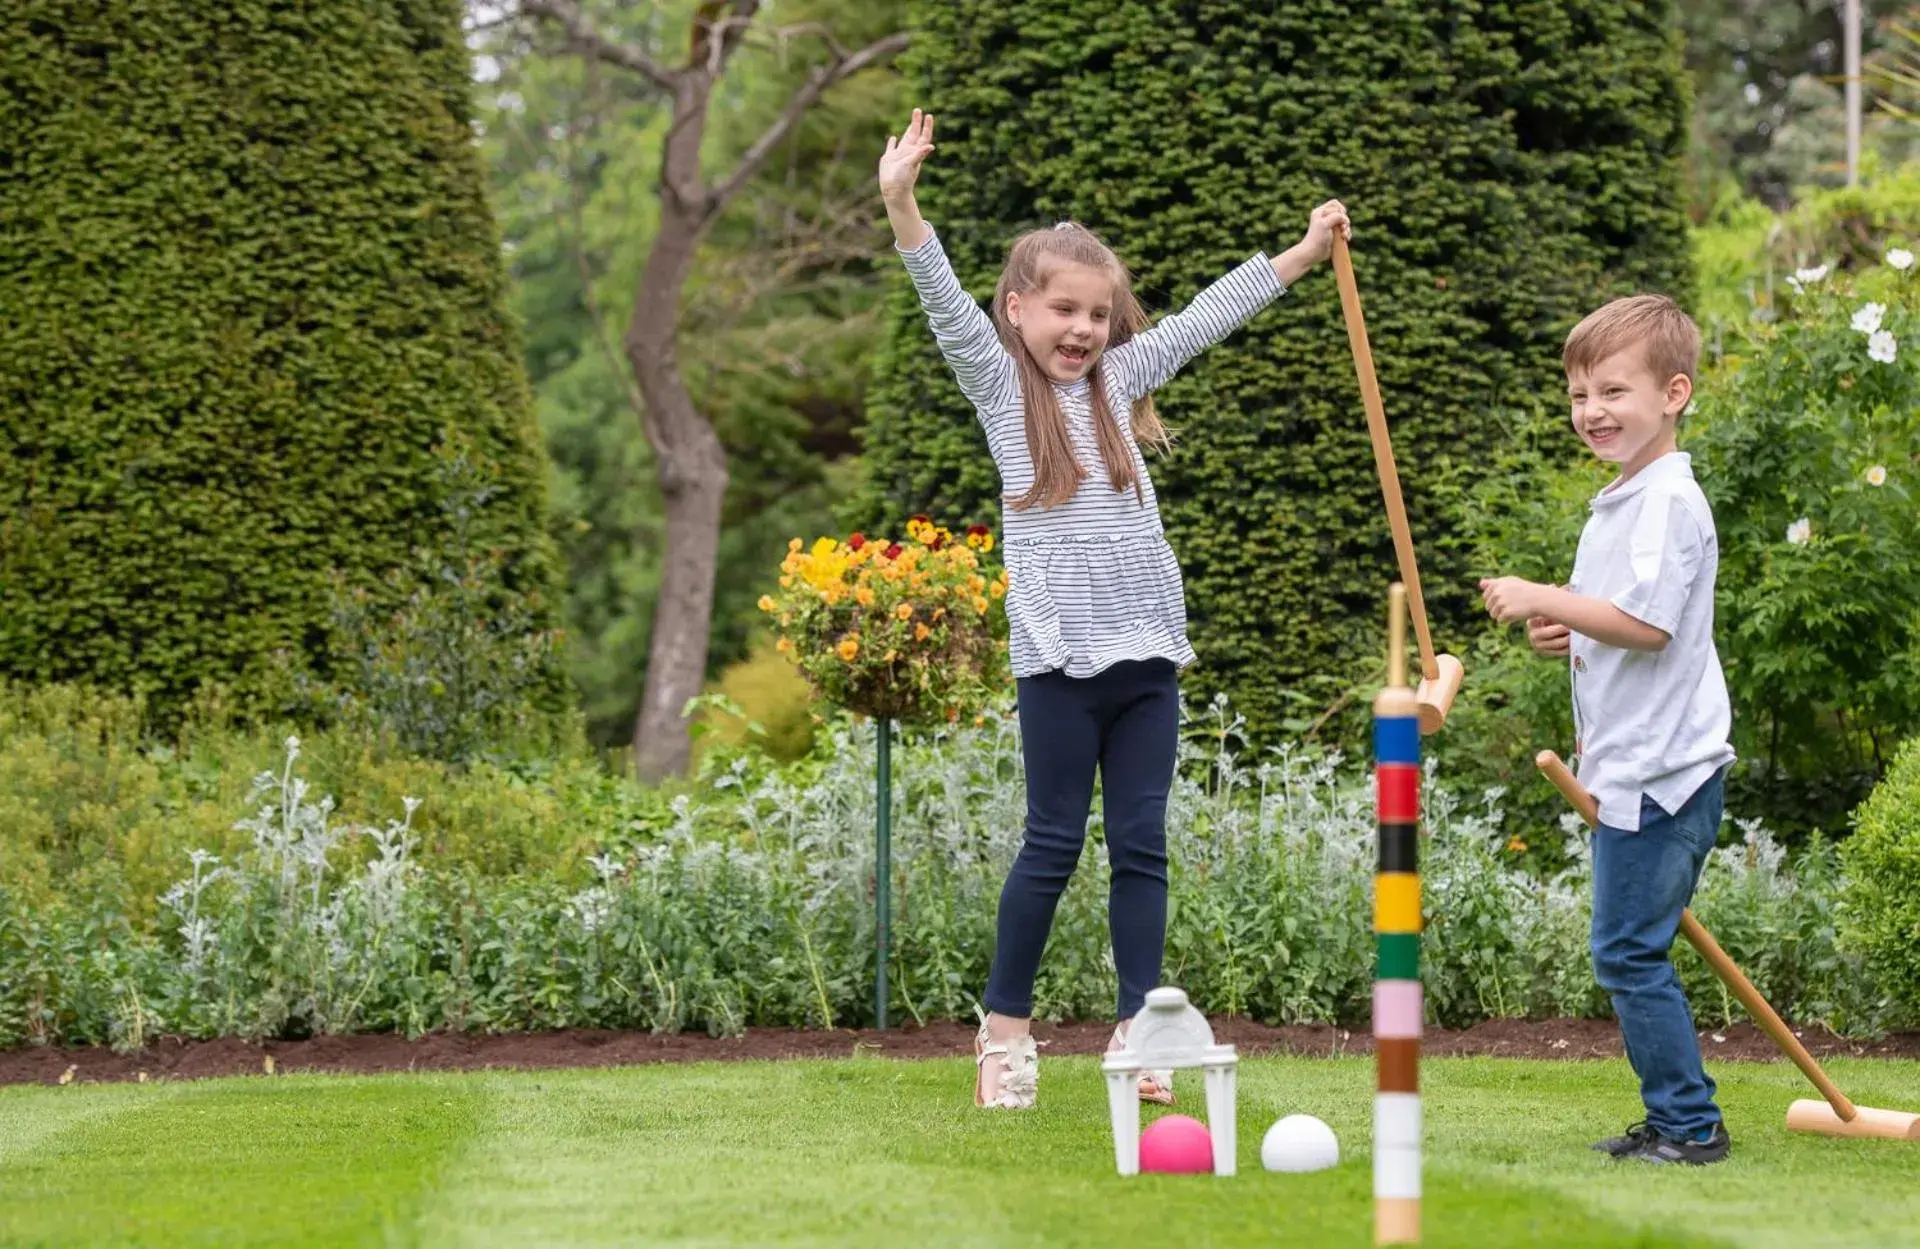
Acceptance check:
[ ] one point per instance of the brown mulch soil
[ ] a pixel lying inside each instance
(172, 1059)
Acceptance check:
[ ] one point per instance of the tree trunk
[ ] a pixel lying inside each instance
(688, 457)
(683, 611)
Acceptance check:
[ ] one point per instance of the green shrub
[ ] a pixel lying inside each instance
(94, 800)
(1806, 449)
(1880, 908)
(1508, 168)
(763, 691)
(251, 280)
(83, 803)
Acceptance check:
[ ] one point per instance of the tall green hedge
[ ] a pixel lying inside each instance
(248, 280)
(1508, 167)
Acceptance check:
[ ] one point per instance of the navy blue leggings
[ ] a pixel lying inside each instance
(1125, 721)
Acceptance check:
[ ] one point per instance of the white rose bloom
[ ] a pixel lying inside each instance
(1867, 319)
(1883, 346)
(1900, 258)
(1806, 277)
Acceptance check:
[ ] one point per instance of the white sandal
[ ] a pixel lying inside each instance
(1155, 1086)
(1019, 1060)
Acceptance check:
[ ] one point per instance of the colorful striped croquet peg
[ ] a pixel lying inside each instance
(1396, 928)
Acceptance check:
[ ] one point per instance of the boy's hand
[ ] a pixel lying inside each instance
(1510, 598)
(1548, 637)
(900, 163)
(1552, 612)
(1317, 244)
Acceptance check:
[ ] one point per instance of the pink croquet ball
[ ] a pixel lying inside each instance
(1176, 1145)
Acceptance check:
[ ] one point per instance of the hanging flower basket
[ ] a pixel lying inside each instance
(913, 631)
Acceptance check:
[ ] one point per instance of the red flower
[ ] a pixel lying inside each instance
(939, 540)
(857, 541)
(977, 531)
(892, 551)
(920, 518)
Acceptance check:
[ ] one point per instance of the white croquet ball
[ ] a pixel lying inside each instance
(1299, 1143)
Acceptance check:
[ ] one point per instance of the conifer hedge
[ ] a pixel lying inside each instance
(249, 280)
(1508, 166)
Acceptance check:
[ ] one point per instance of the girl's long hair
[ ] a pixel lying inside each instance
(1033, 259)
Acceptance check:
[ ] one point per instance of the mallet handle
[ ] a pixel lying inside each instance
(1702, 940)
(1396, 634)
(1383, 450)
(1756, 1005)
(1569, 786)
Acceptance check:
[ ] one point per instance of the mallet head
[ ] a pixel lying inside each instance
(1436, 694)
(1811, 1115)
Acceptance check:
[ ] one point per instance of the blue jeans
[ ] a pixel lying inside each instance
(1123, 722)
(1641, 883)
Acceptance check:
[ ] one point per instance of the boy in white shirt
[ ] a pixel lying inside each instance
(1650, 704)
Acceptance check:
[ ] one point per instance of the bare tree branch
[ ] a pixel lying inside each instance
(810, 91)
(781, 36)
(480, 26)
(583, 37)
(716, 33)
(838, 233)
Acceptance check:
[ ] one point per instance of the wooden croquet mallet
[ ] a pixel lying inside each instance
(1837, 1116)
(1440, 675)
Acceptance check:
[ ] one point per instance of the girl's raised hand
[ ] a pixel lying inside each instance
(1327, 218)
(900, 163)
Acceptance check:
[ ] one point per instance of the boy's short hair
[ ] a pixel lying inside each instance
(1668, 338)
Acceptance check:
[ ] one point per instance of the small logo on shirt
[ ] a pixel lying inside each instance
(1579, 663)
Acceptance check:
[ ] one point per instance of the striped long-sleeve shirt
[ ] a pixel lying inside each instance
(1090, 582)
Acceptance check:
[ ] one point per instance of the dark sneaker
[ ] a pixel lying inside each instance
(1710, 1146)
(1630, 1142)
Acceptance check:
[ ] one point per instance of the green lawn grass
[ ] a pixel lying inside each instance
(878, 1152)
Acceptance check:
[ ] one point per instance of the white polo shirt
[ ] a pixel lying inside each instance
(1650, 723)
